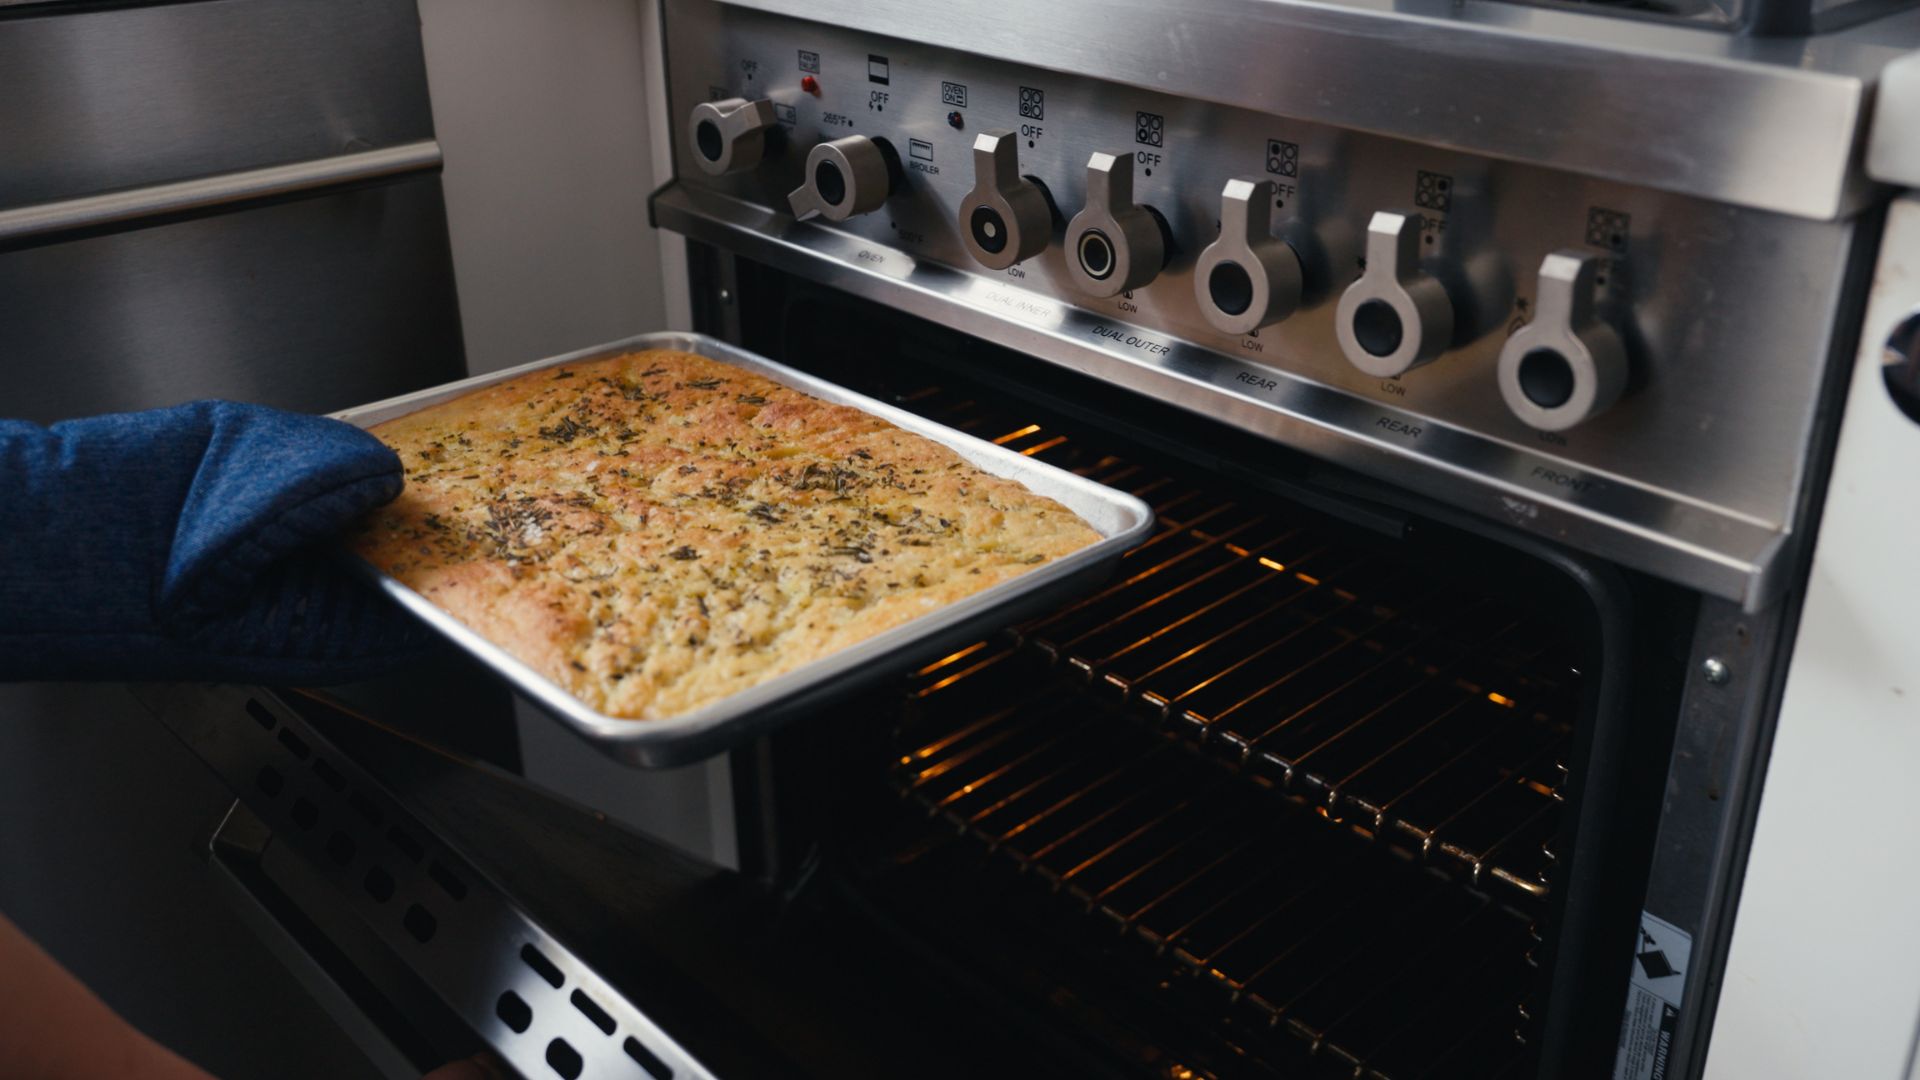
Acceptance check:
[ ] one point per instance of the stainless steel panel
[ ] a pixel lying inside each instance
(97, 100)
(1687, 540)
(1121, 520)
(1670, 107)
(310, 304)
(1728, 313)
(424, 901)
(121, 207)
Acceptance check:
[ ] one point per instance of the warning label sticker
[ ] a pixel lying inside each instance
(1660, 957)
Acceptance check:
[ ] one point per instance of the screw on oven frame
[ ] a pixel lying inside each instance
(1715, 671)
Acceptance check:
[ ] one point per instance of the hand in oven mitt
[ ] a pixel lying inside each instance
(192, 543)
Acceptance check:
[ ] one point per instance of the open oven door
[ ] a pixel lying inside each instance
(456, 920)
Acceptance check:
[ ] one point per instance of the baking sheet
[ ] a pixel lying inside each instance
(1121, 520)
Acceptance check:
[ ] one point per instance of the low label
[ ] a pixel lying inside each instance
(1131, 340)
(1388, 386)
(1661, 953)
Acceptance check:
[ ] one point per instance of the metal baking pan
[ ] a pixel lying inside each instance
(1121, 520)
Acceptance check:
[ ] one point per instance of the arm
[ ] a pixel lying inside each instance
(196, 542)
(53, 1028)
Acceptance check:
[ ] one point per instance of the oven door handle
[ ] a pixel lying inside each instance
(119, 208)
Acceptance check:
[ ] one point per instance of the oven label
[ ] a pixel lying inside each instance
(1132, 341)
(1660, 957)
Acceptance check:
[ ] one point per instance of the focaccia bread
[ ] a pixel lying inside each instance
(657, 531)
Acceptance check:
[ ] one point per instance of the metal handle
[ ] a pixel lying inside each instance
(1397, 316)
(845, 177)
(731, 135)
(1566, 365)
(1248, 277)
(1005, 218)
(1114, 244)
(91, 211)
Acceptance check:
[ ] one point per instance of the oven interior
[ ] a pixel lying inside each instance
(1325, 782)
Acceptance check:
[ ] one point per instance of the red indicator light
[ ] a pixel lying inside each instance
(810, 84)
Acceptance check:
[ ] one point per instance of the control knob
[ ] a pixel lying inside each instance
(1567, 364)
(1248, 277)
(1397, 316)
(731, 135)
(1005, 218)
(1114, 245)
(849, 176)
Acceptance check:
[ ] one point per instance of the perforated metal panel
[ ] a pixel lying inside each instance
(529, 997)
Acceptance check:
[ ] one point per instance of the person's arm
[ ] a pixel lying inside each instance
(53, 1028)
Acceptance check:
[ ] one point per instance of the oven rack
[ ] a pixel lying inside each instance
(1379, 967)
(1388, 696)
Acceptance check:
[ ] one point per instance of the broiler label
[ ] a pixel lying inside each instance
(1660, 957)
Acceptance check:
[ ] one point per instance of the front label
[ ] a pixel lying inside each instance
(1660, 957)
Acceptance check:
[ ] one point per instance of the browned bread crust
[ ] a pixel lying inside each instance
(657, 531)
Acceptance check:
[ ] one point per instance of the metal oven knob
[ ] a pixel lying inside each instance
(1397, 316)
(1005, 218)
(1567, 364)
(1114, 245)
(849, 176)
(1248, 277)
(731, 135)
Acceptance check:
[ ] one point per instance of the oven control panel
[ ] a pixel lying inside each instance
(1553, 349)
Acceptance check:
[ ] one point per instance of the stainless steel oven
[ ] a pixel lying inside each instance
(1484, 364)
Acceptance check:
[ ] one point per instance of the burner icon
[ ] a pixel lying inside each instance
(1433, 191)
(1033, 103)
(1148, 128)
(1283, 158)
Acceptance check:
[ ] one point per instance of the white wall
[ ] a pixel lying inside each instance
(1823, 977)
(546, 111)
(541, 110)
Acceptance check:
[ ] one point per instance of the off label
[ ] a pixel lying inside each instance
(1661, 953)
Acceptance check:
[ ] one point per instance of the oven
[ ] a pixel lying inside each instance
(1486, 401)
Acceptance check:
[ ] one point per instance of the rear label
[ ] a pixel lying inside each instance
(1660, 957)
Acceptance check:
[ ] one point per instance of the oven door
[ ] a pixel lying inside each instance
(1428, 861)
(458, 918)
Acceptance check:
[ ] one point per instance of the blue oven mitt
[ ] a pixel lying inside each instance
(192, 543)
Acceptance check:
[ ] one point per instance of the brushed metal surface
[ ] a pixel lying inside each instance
(99, 100)
(89, 211)
(1680, 109)
(1121, 520)
(1729, 314)
(310, 304)
(1720, 552)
